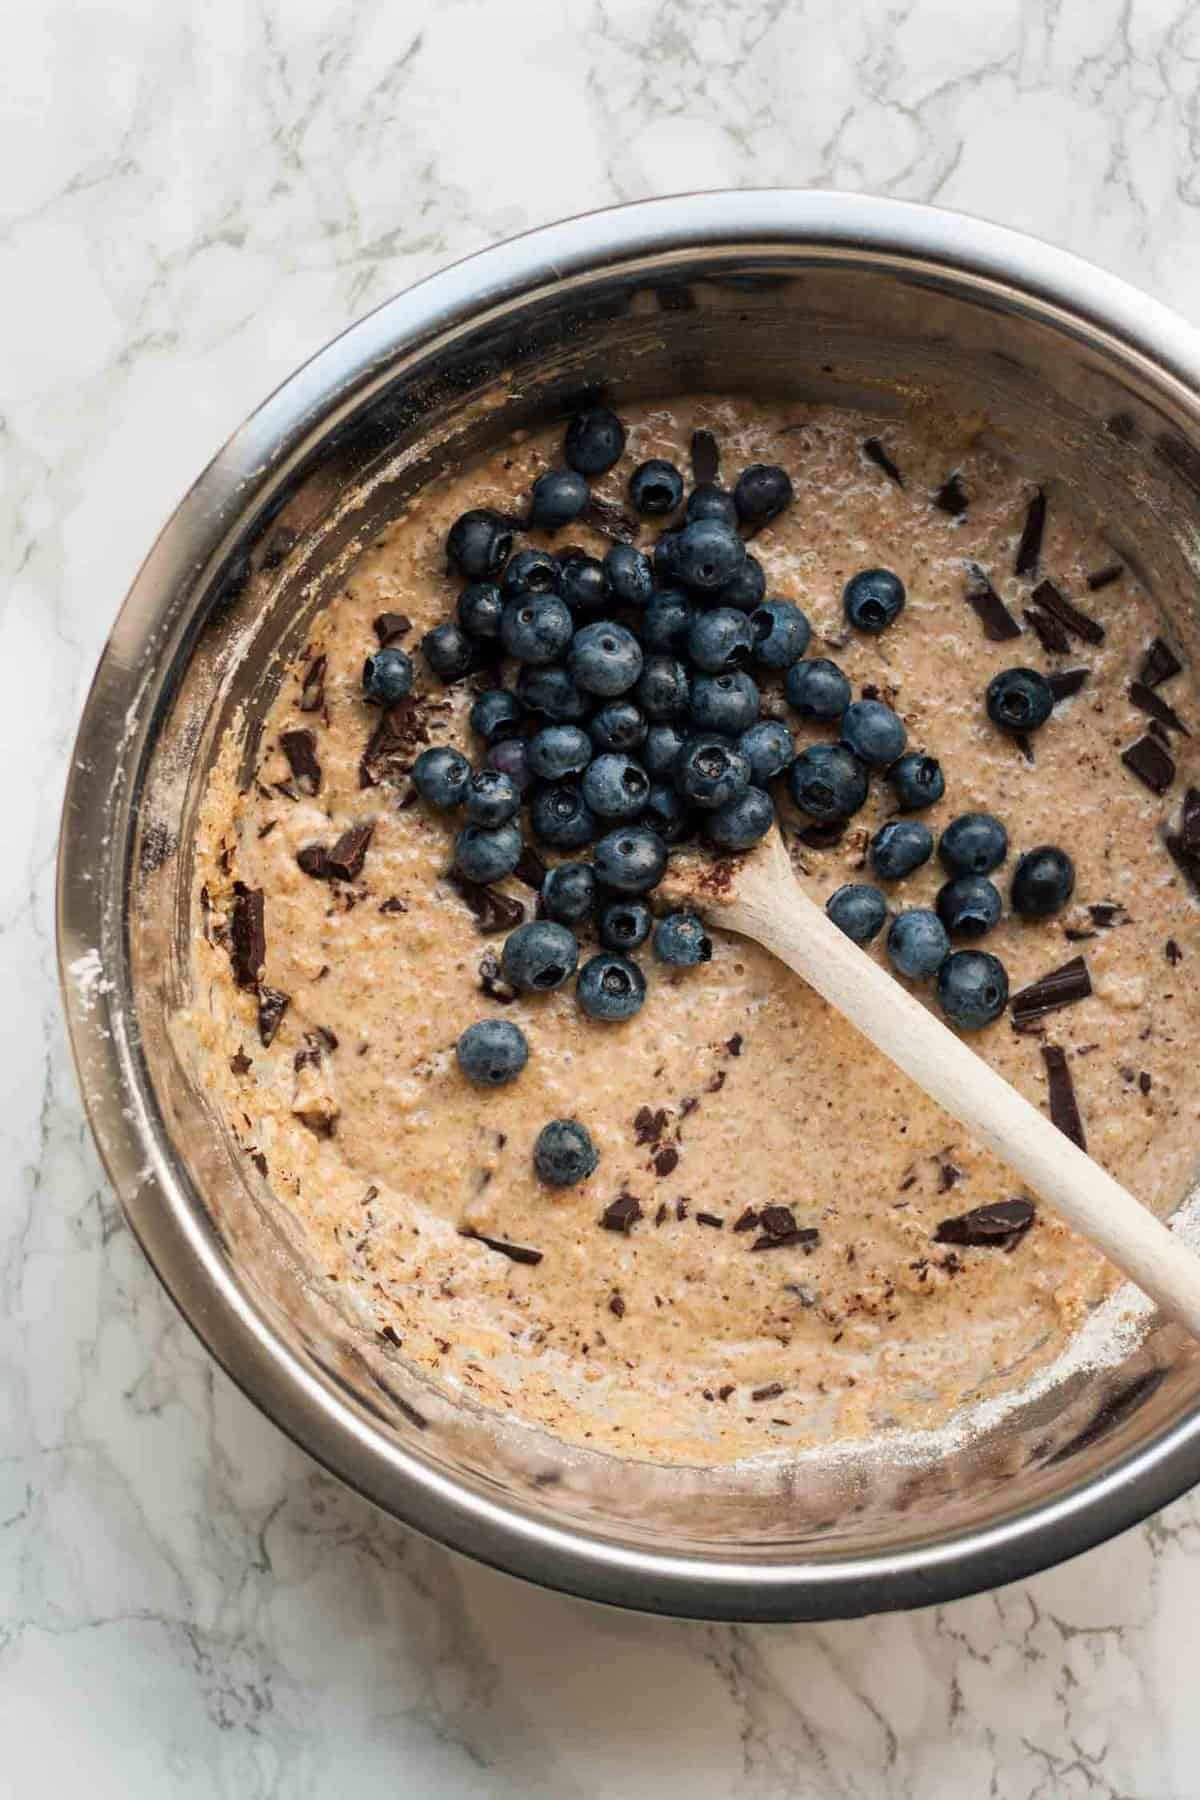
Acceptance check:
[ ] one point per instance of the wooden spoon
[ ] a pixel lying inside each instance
(759, 897)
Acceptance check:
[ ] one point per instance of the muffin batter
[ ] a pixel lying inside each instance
(661, 1332)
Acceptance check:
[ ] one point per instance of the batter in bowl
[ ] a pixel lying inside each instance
(648, 1309)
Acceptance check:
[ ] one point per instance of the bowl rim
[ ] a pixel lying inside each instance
(135, 1151)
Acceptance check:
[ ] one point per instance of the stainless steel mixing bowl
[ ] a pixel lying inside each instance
(826, 296)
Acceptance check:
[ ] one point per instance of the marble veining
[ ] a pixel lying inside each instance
(192, 198)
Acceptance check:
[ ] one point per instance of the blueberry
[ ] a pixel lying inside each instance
(538, 956)
(1043, 881)
(479, 544)
(448, 650)
(629, 575)
(496, 714)
(972, 988)
(492, 798)
(916, 781)
(668, 621)
(917, 943)
(973, 844)
(595, 440)
(873, 599)
(387, 676)
(615, 787)
(720, 639)
(479, 608)
(660, 752)
(564, 1153)
(531, 572)
(817, 689)
(708, 555)
(761, 493)
(560, 816)
(619, 725)
(724, 702)
(630, 860)
(624, 924)
(656, 487)
(605, 659)
(710, 773)
(874, 732)
(537, 628)
(583, 585)
(441, 776)
(899, 847)
(663, 692)
(827, 781)
(1019, 700)
(511, 757)
(492, 1052)
(551, 693)
(743, 822)
(558, 751)
(768, 748)
(748, 587)
(969, 906)
(781, 634)
(558, 496)
(666, 814)
(709, 501)
(568, 893)
(859, 910)
(665, 572)
(681, 940)
(610, 987)
(486, 854)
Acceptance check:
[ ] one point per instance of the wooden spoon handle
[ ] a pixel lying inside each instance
(781, 917)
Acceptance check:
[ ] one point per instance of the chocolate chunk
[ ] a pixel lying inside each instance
(531, 869)
(1185, 860)
(649, 1125)
(312, 688)
(947, 1176)
(687, 1106)
(681, 1206)
(666, 1162)
(1173, 953)
(1144, 1082)
(747, 1220)
(1159, 664)
(1061, 987)
(517, 1253)
(393, 905)
(710, 1219)
(1102, 578)
(1064, 1108)
(271, 1007)
(345, 860)
(260, 1162)
(998, 623)
(777, 1221)
(734, 1044)
(1149, 702)
(1051, 634)
(1152, 765)
(951, 497)
(1075, 936)
(706, 458)
(772, 1391)
(663, 1213)
(247, 935)
(1001, 1223)
(874, 451)
(394, 745)
(300, 748)
(1107, 913)
(492, 982)
(804, 1237)
(1189, 827)
(493, 911)
(717, 1082)
(267, 828)
(822, 836)
(616, 1306)
(622, 1214)
(240, 1064)
(390, 1335)
(1029, 549)
(1080, 624)
(610, 521)
(1065, 682)
(390, 627)
(314, 860)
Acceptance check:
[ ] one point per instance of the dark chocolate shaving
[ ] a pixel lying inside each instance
(345, 860)
(300, 748)
(1148, 701)
(999, 626)
(771, 1391)
(1189, 825)
(622, 1214)
(951, 497)
(1061, 987)
(518, 1253)
(1152, 765)
(259, 1161)
(616, 1306)
(1053, 601)
(1144, 1082)
(712, 1220)
(391, 626)
(706, 458)
(240, 1064)
(666, 1162)
(390, 1335)
(746, 1221)
(1102, 578)
(875, 452)
(271, 1007)
(822, 836)
(610, 521)
(493, 911)
(999, 1224)
(1173, 953)
(1185, 860)
(393, 904)
(1050, 632)
(777, 1221)
(397, 740)
(649, 1125)
(1159, 664)
(1065, 682)
(530, 869)
(804, 1237)
(247, 936)
(314, 860)
(734, 1044)
(1029, 549)
(1107, 913)
(312, 688)
(1064, 1108)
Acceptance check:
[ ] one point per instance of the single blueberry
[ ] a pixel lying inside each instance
(492, 798)
(629, 574)
(558, 751)
(610, 987)
(531, 572)
(387, 676)
(917, 943)
(859, 910)
(972, 988)
(761, 493)
(615, 787)
(630, 860)
(511, 757)
(660, 752)
(899, 847)
(569, 893)
(708, 555)
(656, 487)
(743, 822)
(584, 585)
(448, 650)
(537, 628)
(441, 776)
(708, 501)
(1043, 881)
(916, 781)
(479, 609)
(666, 575)
(619, 725)
(479, 544)
(720, 639)
(969, 906)
(668, 621)
(663, 691)
(551, 693)
(873, 599)
(781, 634)
(1019, 700)
(492, 1052)
(560, 816)
(681, 940)
(973, 844)
(496, 714)
(558, 496)
(817, 689)
(624, 924)
(874, 732)
(768, 748)
(665, 813)
(724, 702)
(605, 659)
(827, 781)
(538, 956)
(485, 854)
(594, 442)
(747, 589)
(564, 1153)
(711, 772)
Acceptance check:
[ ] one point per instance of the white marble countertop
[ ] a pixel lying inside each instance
(193, 197)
